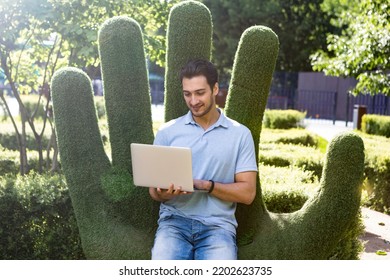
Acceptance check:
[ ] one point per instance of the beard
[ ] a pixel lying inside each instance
(198, 112)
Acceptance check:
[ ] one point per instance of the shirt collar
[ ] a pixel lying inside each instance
(222, 120)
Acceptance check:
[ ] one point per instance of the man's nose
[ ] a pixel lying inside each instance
(194, 100)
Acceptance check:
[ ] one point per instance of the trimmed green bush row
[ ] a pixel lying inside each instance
(307, 158)
(283, 119)
(274, 151)
(9, 141)
(10, 161)
(377, 172)
(296, 136)
(376, 124)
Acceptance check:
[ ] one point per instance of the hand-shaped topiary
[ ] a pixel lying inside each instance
(116, 219)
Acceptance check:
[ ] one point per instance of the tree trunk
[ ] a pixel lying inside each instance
(52, 144)
(23, 146)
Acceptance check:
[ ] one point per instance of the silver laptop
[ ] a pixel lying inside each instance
(160, 166)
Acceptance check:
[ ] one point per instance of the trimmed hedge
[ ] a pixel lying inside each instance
(376, 124)
(37, 219)
(9, 141)
(377, 161)
(289, 136)
(283, 119)
(307, 158)
(9, 161)
(286, 189)
(377, 172)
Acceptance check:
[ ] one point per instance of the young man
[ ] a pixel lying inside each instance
(202, 225)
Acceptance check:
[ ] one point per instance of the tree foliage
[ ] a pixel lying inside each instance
(362, 50)
(38, 37)
(301, 27)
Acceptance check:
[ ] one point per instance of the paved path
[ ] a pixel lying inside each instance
(326, 129)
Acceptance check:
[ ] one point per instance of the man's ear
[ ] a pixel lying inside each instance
(215, 89)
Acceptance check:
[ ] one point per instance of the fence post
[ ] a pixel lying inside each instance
(334, 107)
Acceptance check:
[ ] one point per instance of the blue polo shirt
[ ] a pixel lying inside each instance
(218, 153)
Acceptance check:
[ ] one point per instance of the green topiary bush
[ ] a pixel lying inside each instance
(188, 36)
(283, 119)
(376, 124)
(314, 230)
(117, 220)
(37, 219)
(286, 189)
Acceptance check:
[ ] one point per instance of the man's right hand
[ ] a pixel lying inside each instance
(163, 195)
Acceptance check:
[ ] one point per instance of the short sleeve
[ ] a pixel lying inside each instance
(246, 160)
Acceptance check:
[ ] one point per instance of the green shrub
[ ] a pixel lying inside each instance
(37, 219)
(290, 136)
(9, 161)
(376, 124)
(286, 189)
(283, 119)
(100, 106)
(32, 107)
(9, 141)
(307, 158)
(377, 172)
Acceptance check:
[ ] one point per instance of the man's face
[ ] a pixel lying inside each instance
(198, 95)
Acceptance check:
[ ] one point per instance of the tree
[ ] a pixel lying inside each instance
(362, 50)
(300, 25)
(35, 40)
(20, 32)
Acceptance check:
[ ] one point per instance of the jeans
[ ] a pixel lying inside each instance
(180, 238)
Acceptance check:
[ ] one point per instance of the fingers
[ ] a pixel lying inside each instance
(75, 117)
(169, 193)
(126, 87)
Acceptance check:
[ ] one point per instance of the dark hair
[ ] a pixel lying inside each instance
(200, 67)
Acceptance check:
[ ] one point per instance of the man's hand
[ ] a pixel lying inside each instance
(163, 195)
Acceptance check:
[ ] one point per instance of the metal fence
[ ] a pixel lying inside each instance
(322, 104)
(318, 104)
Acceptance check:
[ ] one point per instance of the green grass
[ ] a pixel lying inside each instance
(322, 144)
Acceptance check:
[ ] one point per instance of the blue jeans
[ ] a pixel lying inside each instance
(180, 238)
